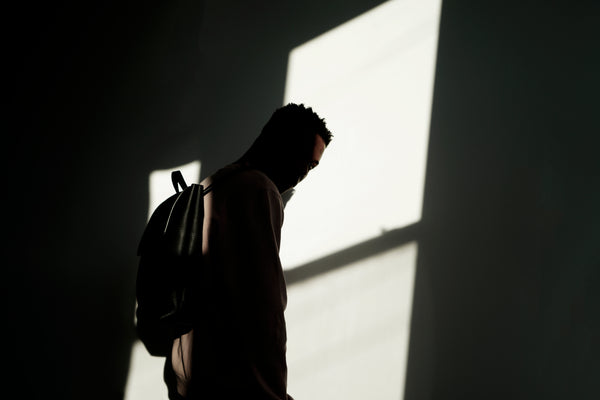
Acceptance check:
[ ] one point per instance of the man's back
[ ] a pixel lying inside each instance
(238, 348)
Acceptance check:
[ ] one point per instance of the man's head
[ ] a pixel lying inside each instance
(290, 145)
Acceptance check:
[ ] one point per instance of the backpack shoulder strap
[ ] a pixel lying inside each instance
(177, 179)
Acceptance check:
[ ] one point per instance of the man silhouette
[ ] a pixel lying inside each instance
(237, 350)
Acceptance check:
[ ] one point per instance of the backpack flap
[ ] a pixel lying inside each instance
(175, 227)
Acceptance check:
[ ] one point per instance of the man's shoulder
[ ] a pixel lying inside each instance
(237, 177)
(254, 178)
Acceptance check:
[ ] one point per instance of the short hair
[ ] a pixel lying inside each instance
(295, 121)
(290, 131)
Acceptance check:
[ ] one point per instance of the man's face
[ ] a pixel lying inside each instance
(307, 164)
(302, 165)
(317, 151)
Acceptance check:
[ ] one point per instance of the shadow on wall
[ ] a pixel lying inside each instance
(342, 258)
(506, 300)
(108, 93)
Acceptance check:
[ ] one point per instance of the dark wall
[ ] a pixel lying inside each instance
(507, 280)
(507, 299)
(102, 94)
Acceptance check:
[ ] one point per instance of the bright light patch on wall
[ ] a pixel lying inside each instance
(346, 329)
(145, 376)
(145, 372)
(161, 186)
(372, 80)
